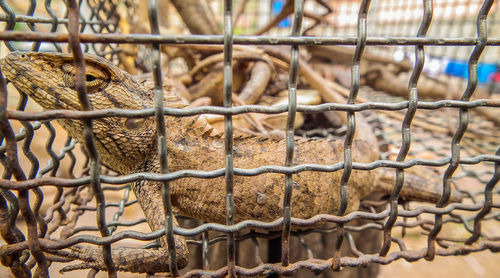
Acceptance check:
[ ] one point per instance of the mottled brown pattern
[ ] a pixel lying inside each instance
(129, 148)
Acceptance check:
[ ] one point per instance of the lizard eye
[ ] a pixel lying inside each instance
(96, 79)
(94, 83)
(90, 78)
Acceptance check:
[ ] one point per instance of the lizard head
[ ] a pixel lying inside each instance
(48, 78)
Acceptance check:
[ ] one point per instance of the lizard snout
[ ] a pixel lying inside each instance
(10, 64)
(15, 57)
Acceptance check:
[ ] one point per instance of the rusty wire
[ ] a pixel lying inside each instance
(351, 127)
(228, 139)
(104, 40)
(88, 135)
(292, 112)
(410, 113)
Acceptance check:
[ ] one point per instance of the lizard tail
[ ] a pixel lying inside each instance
(426, 186)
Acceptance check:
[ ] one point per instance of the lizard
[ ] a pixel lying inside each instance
(129, 145)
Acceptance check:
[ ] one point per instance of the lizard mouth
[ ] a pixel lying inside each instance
(35, 81)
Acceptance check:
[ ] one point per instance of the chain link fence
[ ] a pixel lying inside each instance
(50, 182)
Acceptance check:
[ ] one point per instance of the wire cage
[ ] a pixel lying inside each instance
(50, 181)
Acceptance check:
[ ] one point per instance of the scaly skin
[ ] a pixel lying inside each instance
(129, 145)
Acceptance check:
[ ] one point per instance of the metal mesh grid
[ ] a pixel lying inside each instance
(451, 19)
(39, 228)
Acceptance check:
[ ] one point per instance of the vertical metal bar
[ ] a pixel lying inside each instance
(50, 151)
(121, 208)
(55, 22)
(482, 36)
(37, 192)
(88, 135)
(292, 111)
(12, 261)
(405, 130)
(351, 118)
(351, 126)
(32, 26)
(162, 139)
(488, 203)
(12, 203)
(228, 139)
(205, 240)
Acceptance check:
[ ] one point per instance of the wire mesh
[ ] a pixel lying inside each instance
(93, 26)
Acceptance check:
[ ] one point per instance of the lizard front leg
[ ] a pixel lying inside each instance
(148, 195)
(138, 260)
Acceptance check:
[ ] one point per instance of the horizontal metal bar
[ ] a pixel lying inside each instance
(238, 39)
(55, 181)
(296, 222)
(41, 19)
(184, 112)
(316, 265)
